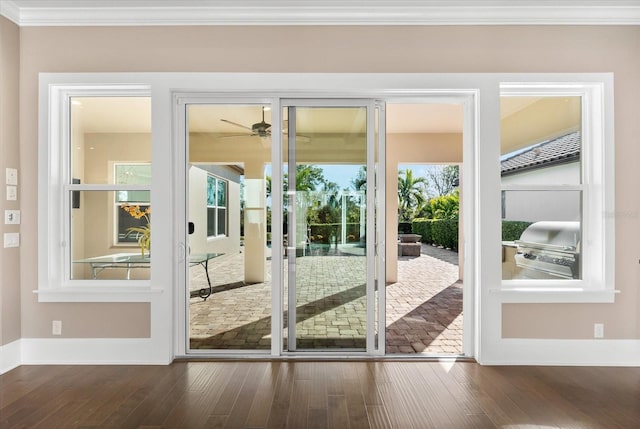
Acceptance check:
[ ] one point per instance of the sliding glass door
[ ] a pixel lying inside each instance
(329, 268)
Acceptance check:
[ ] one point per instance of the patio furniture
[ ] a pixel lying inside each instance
(129, 261)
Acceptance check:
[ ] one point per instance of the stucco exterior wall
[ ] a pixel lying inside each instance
(348, 49)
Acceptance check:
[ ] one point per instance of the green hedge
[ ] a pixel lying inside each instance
(422, 227)
(441, 232)
(444, 232)
(511, 229)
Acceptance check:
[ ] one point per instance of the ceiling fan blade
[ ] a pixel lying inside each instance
(231, 136)
(236, 124)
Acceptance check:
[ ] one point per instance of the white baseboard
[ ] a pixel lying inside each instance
(563, 352)
(126, 351)
(10, 356)
(90, 351)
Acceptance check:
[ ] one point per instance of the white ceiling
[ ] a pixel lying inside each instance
(321, 12)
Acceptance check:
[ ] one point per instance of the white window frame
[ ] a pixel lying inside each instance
(483, 290)
(54, 185)
(597, 178)
(216, 235)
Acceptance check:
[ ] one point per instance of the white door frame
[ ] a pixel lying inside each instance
(467, 97)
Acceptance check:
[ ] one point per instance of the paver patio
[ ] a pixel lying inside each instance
(424, 308)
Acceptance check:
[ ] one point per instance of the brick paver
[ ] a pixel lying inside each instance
(424, 308)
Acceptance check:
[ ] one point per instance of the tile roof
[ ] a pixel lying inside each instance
(557, 151)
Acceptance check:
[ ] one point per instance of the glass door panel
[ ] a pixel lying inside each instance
(325, 222)
(228, 281)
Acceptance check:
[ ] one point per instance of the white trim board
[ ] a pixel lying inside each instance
(89, 351)
(564, 352)
(10, 356)
(319, 12)
(125, 351)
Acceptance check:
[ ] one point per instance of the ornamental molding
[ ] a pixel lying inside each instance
(314, 12)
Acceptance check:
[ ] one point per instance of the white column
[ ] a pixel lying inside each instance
(255, 222)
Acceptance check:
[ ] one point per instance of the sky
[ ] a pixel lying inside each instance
(343, 174)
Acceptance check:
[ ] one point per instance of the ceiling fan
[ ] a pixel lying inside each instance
(261, 129)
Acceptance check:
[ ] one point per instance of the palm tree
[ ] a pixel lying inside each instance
(411, 194)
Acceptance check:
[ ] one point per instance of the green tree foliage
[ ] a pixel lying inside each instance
(442, 207)
(411, 194)
(359, 183)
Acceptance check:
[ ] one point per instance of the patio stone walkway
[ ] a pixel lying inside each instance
(424, 308)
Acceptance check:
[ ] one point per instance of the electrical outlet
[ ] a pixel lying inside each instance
(598, 330)
(56, 328)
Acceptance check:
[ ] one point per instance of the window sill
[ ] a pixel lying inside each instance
(555, 295)
(97, 294)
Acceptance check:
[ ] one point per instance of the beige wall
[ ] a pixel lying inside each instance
(9, 157)
(354, 49)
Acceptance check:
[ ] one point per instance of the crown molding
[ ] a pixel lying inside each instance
(314, 12)
(10, 10)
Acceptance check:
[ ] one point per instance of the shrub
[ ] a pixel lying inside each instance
(422, 227)
(445, 233)
(511, 229)
(441, 232)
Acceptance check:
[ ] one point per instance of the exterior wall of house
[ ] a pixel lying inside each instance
(198, 241)
(9, 157)
(557, 206)
(347, 49)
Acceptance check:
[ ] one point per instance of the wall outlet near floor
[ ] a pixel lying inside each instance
(598, 330)
(56, 327)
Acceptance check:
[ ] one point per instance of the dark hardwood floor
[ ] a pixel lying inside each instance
(301, 394)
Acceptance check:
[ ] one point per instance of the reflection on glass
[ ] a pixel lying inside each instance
(109, 239)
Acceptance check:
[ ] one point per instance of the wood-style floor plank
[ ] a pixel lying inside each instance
(281, 397)
(299, 395)
(258, 414)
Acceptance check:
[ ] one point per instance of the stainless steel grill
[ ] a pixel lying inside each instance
(551, 248)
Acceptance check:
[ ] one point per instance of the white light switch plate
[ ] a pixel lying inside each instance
(11, 239)
(12, 193)
(12, 217)
(12, 176)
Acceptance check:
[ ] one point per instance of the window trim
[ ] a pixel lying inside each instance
(216, 207)
(54, 204)
(597, 186)
(480, 95)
